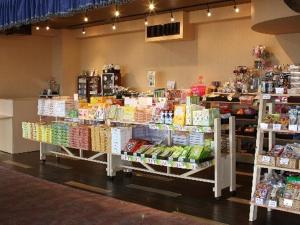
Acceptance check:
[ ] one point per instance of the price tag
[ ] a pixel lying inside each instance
(163, 163)
(125, 153)
(293, 127)
(266, 159)
(276, 126)
(272, 204)
(192, 160)
(122, 157)
(264, 125)
(138, 159)
(288, 202)
(151, 161)
(284, 161)
(266, 96)
(279, 90)
(259, 201)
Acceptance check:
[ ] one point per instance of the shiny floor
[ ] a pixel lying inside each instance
(173, 195)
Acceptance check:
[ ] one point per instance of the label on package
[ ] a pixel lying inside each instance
(288, 202)
(279, 90)
(284, 161)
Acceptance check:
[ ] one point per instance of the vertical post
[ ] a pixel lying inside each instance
(259, 146)
(232, 153)
(80, 153)
(169, 140)
(217, 150)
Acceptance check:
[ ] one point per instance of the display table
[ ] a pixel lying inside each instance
(12, 113)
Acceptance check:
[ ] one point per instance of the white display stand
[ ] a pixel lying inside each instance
(267, 100)
(224, 164)
(12, 113)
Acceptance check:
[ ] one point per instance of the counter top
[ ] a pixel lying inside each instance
(3, 117)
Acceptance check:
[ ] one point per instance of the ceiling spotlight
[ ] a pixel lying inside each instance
(114, 27)
(172, 17)
(236, 9)
(37, 28)
(146, 22)
(117, 12)
(208, 12)
(151, 6)
(83, 31)
(86, 19)
(47, 28)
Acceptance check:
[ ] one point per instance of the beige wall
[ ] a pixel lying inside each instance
(25, 65)
(217, 49)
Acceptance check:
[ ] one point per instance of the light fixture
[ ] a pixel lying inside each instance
(146, 22)
(208, 11)
(236, 9)
(86, 19)
(83, 31)
(37, 28)
(172, 17)
(117, 12)
(114, 27)
(47, 28)
(151, 6)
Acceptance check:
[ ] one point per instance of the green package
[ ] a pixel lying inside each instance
(185, 153)
(178, 151)
(167, 152)
(196, 152)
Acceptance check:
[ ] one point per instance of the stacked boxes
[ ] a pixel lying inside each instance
(56, 107)
(60, 134)
(196, 138)
(105, 139)
(120, 137)
(37, 131)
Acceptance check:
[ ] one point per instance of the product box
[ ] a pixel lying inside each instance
(205, 117)
(179, 115)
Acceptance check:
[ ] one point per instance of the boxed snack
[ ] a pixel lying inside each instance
(179, 115)
(289, 157)
(270, 157)
(205, 117)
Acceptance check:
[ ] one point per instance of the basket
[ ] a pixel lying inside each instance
(289, 163)
(266, 160)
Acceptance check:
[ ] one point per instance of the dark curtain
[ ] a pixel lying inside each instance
(20, 12)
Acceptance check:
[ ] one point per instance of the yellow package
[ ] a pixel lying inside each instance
(179, 115)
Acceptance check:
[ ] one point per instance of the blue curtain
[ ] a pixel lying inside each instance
(20, 12)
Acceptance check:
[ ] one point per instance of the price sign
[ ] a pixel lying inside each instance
(194, 166)
(284, 161)
(264, 125)
(266, 96)
(122, 157)
(138, 159)
(163, 162)
(259, 201)
(272, 204)
(293, 127)
(288, 203)
(279, 90)
(276, 126)
(151, 161)
(266, 159)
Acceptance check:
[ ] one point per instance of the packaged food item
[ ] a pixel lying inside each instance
(185, 153)
(177, 152)
(179, 115)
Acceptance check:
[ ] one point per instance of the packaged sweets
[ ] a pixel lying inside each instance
(179, 115)
(177, 152)
(195, 152)
(167, 152)
(293, 115)
(185, 153)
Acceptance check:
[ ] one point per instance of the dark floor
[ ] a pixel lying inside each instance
(196, 198)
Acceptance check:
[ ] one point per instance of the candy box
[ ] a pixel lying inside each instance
(129, 112)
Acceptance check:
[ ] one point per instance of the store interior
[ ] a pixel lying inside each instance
(144, 112)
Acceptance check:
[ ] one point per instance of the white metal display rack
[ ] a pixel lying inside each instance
(264, 101)
(224, 164)
(63, 151)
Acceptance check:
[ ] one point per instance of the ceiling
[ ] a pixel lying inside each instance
(136, 9)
